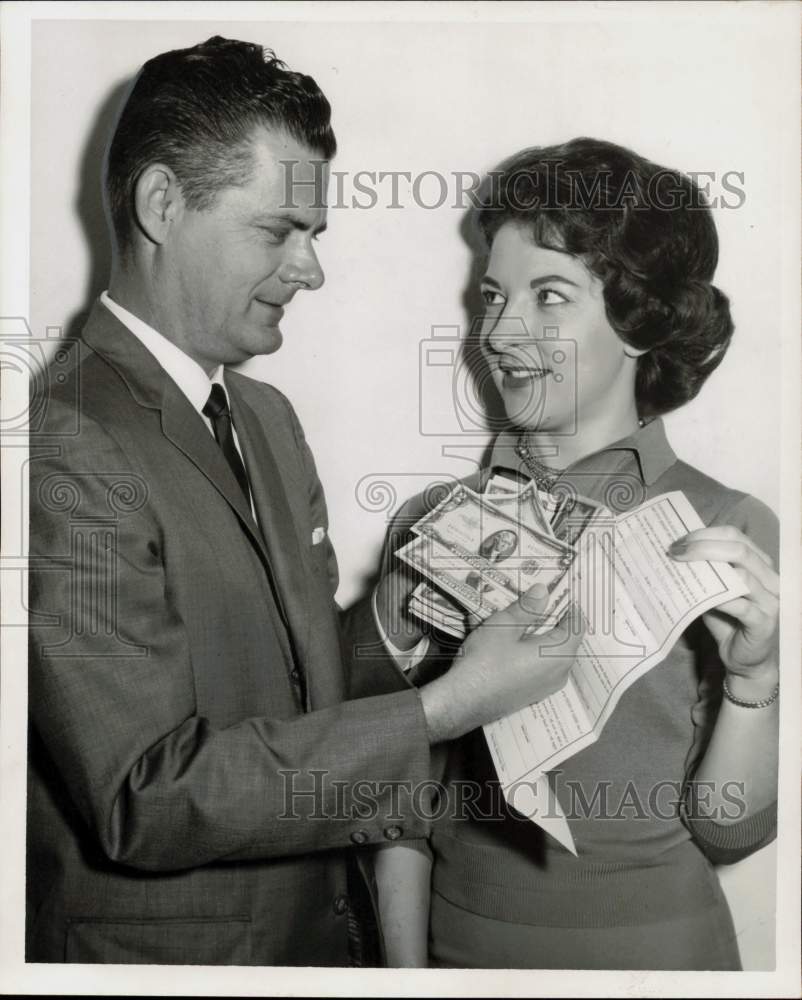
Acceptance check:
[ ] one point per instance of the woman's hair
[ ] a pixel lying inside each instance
(646, 232)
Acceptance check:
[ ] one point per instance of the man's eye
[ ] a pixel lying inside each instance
(491, 297)
(550, 297)
(275, 237)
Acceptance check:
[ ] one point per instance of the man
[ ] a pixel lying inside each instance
(193, 757)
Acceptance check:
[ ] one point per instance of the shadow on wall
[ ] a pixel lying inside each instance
(89, 202)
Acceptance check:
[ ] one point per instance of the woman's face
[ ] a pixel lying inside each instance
(556, 361)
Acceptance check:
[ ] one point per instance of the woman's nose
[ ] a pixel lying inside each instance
(507, 333)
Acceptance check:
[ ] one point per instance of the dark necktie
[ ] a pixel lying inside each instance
(216, 409)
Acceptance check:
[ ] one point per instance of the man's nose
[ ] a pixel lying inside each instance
(303, 269)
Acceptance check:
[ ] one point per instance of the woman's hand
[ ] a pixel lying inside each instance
(392, 601)
(745, 628)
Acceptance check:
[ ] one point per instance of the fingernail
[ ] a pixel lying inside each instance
(678, 547)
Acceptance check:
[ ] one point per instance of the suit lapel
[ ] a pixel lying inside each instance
(150, 385)
(183, 426)
(275, 518)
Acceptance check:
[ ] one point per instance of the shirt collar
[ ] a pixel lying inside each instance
(187, 374)
(648, 445)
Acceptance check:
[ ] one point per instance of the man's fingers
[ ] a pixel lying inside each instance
(572, 623)
(570, 626)
(576, 620)
(534, 600)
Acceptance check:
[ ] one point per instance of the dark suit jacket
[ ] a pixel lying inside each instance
(186, 678)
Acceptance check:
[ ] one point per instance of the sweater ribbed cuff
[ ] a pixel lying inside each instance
(726, 843)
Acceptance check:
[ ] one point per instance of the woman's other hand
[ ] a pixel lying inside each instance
(745, 628)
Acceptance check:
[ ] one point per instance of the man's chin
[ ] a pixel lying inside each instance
(267, 340)
(274, 340)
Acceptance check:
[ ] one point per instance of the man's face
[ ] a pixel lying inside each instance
(231, 269)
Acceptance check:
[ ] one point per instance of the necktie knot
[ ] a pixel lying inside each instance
(216, 405)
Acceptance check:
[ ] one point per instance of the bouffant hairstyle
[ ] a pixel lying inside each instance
(647, 232)
(196, 110)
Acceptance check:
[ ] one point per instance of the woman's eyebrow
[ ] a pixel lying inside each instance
(537, 282)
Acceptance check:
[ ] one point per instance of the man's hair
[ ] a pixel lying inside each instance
(196, 109)
(647, 232)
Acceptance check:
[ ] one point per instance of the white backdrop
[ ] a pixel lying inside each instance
(694, 92)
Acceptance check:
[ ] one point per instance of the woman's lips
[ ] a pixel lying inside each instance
(522, 378)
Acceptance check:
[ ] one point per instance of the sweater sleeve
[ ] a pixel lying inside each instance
(726, 843)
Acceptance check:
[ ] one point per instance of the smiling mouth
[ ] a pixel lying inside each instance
(521, 378)
(522, 373)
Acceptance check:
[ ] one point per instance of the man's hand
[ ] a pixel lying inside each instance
(501, 668)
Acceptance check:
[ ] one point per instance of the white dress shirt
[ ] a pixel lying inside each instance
(187, 374)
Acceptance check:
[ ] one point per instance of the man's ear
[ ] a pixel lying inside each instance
(158, 202)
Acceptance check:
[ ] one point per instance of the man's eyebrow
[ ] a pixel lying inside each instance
(295, 221)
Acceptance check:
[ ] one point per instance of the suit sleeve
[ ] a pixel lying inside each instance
(112, 698)
(727, 843)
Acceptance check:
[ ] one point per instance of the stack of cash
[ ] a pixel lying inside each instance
(479, 552)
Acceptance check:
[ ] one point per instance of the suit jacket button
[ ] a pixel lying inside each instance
(340, 905)
(359, 837)
(295, 674)
(393, 832)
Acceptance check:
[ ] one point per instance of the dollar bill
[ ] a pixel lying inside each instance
(574, 516)
(501, 484)
(480, 556)
(549, 504)
(437, 610)
(525, 506)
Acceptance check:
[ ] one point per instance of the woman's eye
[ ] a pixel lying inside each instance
(550, 297)
(491, 297)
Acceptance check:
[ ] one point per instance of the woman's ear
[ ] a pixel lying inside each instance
(158, 202)
(635, 352)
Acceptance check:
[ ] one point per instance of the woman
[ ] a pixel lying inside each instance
(617, 255)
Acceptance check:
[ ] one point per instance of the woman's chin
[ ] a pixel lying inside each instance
(529, 414)
(537, 424)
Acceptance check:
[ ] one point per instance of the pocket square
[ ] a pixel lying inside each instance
(318, 535)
